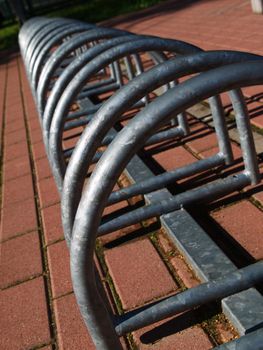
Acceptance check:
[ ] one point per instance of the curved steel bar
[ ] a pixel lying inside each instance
(40, 35)
(62, 52)
(218, 289)
(37, 37)
(251, 171)
(113, 162)
(43, 28)
(79, 81)
(69, 74)
(207, 192)
(38, 41)
(114, 108)
(29, 29)
(41, 53)
(46, 32)
(33, 24)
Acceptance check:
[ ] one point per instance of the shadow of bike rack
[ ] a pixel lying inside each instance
(90, 78)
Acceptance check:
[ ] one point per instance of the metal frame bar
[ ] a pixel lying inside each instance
(79, 81)
(204, 293)
(69, 74)
(95, 195)
(43, 35)
(82, 213)
(50, 41)
(31, 28)
(112, 110)
(56, 59)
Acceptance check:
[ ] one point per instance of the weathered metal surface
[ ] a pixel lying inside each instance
(60, 64)
(120, 151)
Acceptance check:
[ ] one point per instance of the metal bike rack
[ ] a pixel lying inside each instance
(101, 59)
(87, 52)
(70, 93)
(112, 111)
(115, 159)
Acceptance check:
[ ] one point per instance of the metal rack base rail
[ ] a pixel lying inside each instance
(60, 63)
(104, 328)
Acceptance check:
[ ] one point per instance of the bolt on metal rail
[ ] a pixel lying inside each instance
(122, 92)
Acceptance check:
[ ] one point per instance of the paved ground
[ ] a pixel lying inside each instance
(37, 303)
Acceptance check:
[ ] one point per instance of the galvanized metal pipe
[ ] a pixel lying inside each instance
(246, 136)
(205, 293)
(42, 50)
(199, 195)
(95, 196)
(41, 39)
(69, 74)
(62, 52)
(84, 234)
(113, 109)
(37, 39)
(219, 120)
(70, 93)
(165, 179)
(30, 28)
(31, 31)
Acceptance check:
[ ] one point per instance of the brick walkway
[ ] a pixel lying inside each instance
(37, 303)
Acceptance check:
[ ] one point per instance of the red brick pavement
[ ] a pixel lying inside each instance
(37, 306)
